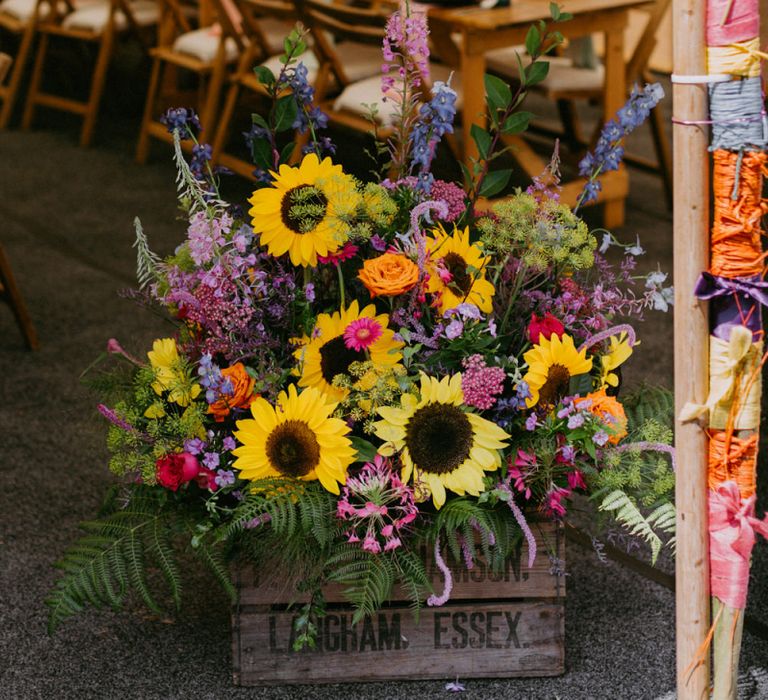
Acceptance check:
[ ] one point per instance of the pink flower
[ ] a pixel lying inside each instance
(392, 543)
(346, 252)
(576, 480)
(546, 326)
(553, 503)
(206, 479)
(371, 545)
(176, 469)
(481, 384)
(362, 333)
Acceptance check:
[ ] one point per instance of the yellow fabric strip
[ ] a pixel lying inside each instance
(740, 59)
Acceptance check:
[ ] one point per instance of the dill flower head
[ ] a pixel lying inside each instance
(378, 205)
(540, 233)
(377, 506)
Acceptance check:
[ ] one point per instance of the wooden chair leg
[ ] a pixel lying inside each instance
(34, 84)
(97, 87)
(14, 83)
(10, 292)
(222, 131)
(210, 108)
(142, 148)
(571, 127)
(663, 152)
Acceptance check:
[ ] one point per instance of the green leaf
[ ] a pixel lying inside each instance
(497, 92)
(265, 75)
(261, 152)
(285, 113)
(258, 120)
(495, 182)
(285, 154)
(536, 72)
(366, 452)
(554, 10)
(533, 41)
(581, 384)
(483, 140)
(516, 123)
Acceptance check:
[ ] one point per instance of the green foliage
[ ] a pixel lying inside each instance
(135, 531)
(146, 261)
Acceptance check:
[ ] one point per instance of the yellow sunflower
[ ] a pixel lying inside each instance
(297, 440)
(328, 352)
(457, 271)
(551, 364)
(441, 445)
(170, 374)
(307, 210)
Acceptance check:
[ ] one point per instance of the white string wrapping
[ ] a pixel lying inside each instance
(738, 119)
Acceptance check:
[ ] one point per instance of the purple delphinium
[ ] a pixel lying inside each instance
(609, 152)
(181, 119)
(435, 120)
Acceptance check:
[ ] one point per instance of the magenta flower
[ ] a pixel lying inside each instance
(576, 480)
(377, 506)
(362, 333)
(346, 252)
(553, 502)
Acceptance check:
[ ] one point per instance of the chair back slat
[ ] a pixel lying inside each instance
(647, 41)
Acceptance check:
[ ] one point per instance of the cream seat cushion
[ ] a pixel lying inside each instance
(94, 17)
(368, 91)
(24, 9)
(307, 58)
(359, 60)
(203, 44)
(563, 75)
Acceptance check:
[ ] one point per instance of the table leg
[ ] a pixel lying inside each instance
(615, 96)
(473, 112)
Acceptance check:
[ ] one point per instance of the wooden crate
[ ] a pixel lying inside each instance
(494, 626)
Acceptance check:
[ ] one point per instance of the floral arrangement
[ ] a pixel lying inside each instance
(361, 372)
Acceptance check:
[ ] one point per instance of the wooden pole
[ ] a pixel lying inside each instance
(691, 337)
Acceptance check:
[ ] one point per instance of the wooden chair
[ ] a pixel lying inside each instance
(567, 82)
(98, 23)
(206, 52)
(19, 17)
(265, 23)
(340, 34)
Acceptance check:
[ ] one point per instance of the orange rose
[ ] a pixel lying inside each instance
(242, 392)
(389, 275)
(610, 411)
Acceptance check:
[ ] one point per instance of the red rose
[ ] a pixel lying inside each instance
(176, 469)
(546, 326)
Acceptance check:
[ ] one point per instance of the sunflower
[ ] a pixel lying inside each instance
(306, 211)
(457, 271)
(551, 364)
(441, 445)
(327, 353)
(297, 440)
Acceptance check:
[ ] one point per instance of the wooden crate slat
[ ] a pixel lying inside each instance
(469, 640)
(479, 583)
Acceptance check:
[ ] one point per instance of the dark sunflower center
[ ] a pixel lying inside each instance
(438, 438)
(292, 449)
(303, 208)
(457, 266)
(556, 385)
(336, 357)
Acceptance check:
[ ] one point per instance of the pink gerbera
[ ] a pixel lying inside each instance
(362, 333)
(346, 252)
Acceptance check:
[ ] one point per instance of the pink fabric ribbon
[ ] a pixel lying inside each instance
(733, 529)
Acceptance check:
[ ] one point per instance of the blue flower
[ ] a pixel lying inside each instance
(181, 119)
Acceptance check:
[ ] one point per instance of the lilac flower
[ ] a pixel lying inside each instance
(378, 243)
(309, 292)
(454, 329)
(224, 477)
(229, 443)
(211, 460)
(600, 438)
(531, 422)
(568, 454)
(576, 421)
(194, 446)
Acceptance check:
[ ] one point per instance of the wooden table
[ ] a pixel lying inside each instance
(483, 30)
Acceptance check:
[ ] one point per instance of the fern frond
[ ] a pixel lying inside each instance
(147, 263)
(212, 559)
(162, 549)
(627, 514)
(649, 403)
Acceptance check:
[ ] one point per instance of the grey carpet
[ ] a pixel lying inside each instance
(66, 222)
